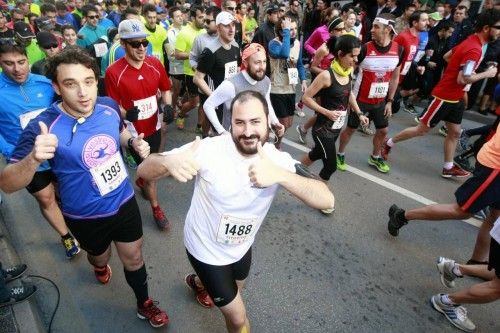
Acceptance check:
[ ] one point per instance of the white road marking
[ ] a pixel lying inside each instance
(407, 193)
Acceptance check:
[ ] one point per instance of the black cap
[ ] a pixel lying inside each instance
(44, 23)
(23, 29)
(272, 8)
(46, 39)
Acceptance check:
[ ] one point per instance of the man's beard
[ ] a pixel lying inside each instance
(248, 150)
(256, 76)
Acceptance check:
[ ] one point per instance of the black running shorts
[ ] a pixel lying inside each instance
(480, 190)
(96, 235)
(154, 141)
(494, 260)
(220, 281)
(374, 112)
(41, 179)
(439, 110)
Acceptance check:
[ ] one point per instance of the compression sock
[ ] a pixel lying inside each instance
(138, 281)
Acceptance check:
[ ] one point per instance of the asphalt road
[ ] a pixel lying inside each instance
(310, 272)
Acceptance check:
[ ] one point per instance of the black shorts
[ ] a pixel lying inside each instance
(96, 235)
(41, 179)
(438, 110)
(494, 259)
(479, 191)
(191, 88)
(220, 281)
(154, 145)
(283, 105)
(180, 79)
(375, 112)
(411, 81)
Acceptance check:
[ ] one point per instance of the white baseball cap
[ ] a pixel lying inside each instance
(130, 29)
(224, 18)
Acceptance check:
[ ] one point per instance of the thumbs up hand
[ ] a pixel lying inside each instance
(141, 146)
(264, 172)
(45, 144)
(182, 166)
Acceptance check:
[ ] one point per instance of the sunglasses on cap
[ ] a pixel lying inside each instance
(137, 43)
(50, 46)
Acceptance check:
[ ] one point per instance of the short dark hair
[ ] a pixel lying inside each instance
(122, 2)
(128, 10)
(345, 44)
(88, 8)
(194, 9)
(446, 25)
(9, 45)
(278, 28)
(68, 27)
(148, 8)
(172, 10)
(71, 55)
(247, 95)
(60, 5)
(415, 17)
(47, 7)
(213, 10)
(135, 3)
(487, 18)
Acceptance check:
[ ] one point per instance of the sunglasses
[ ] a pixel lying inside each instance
(208, 21)
(91, 17)
(51, 46)
(231, 8)
(496, 27)
(136, 43)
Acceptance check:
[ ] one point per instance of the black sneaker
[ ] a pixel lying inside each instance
(463, 163)
(14, 272)
(395, 221)
(18, 294)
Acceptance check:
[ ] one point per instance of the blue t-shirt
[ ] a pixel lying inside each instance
(19, 104)
(87, 157)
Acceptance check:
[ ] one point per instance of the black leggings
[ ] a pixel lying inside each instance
(324, 149)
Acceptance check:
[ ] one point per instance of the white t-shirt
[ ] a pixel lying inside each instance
(226, 209)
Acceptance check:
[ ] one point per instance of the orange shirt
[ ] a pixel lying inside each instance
(489, 155)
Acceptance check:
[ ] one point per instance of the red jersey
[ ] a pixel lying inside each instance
(469, 51)
(375, 72)
(409, 44)
(131, 87)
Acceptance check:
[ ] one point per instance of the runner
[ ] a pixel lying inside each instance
(252, 77)
(83, 149)
(175, 68)
(236, 180)
(447, 103)
(133, 81)
(219, 60)
(379, 63)
(334, 89)
(15, 81)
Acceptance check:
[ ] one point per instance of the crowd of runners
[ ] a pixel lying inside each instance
(89, 91)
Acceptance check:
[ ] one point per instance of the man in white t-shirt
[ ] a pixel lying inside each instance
(236, 178)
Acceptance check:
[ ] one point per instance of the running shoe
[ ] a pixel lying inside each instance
(410, 108)
(463, 163)
(129, 159)
(366, 129)
(179, 123)
(160, 218)
(445, 269)
(396, 220)
(302, 134)
(18, 294)
(149, 311)
(341, 165)
(379, 163)
(417, 119)
(71, 247)
(456, 314)
(13, 272)
(201, 293)
(454, 172)
(327, 211)
(299, 109)
(139, 182)
(443, 131)
(385, 150)
(463, 141)
(103, 274)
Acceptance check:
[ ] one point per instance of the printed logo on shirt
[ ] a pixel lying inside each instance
(98, 149)
(140, 78)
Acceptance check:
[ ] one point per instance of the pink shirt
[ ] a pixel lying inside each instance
(317, 38)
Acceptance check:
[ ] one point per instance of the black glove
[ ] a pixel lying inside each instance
(168, 114)
(132, 114)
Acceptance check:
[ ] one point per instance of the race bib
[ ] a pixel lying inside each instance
(147, 107)
(406, 68)
(378, 90)
(110, 174)
(230, 69)
(100, 50)
(25, 118)
(495, 231)
(235, 230)
(418, 56)
(337, 124)
(293, 75)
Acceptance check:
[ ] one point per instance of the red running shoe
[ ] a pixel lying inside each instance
(202, 295)
(140, 184)
(149, 311)
(385, 150)
(454, 172)
(103, 274)
(160, 218)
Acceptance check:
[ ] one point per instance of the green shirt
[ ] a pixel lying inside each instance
(34, 52)
(157, 39)
(251, 25)
(184, 43)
